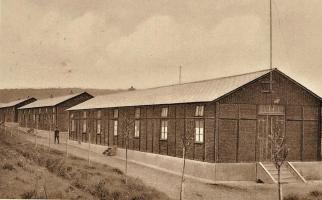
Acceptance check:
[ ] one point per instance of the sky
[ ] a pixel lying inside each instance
(115, 44)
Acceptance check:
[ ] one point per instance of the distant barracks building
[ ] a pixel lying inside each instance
(9, 111)
(228, 119)
(45, 114)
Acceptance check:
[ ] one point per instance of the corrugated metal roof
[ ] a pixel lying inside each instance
(50, 101)
(13, 103)
(201, 91)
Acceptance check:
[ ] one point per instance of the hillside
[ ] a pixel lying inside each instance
(7, 95)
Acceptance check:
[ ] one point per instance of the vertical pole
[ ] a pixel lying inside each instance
(216, 142)
(238, 134)
(67, 144)
(279, 184)
(180, 70)
(183, 168)
(49, 135)
(270, 46)
(68, 133)
(35, 131)
(126, 147)
(89, 147)
(270, 35)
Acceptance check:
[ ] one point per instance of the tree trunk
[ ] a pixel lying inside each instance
(182, 175)
(279, 184)
(67, 144)
(49, 137)
(126, 147)
(36, 134)
(89, 147)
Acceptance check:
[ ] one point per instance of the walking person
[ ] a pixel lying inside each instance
(56, 135)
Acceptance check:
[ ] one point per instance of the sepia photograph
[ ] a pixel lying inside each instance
(161, 99)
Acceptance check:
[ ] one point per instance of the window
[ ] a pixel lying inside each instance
(116, 113)
(164, 112)
(46, 110)
(115, 127)
(164, 129)
(53, 118)
(84, 126)
(137, 128)
(98, 128)
(99, 114)
(72, 115)
(73, 125)
(199, 111)
(137, 113)
(84, 114)
(199, 127)
(53, 110)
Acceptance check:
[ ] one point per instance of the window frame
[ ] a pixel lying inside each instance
(137, 113)
(84, 125)
(164, 112)
(99, 127)
(116, 113)
(137, 126)
(164, 130)
(99, 114)
(54, 118)
(73, 127)
(115, 128)
(200, 111)
(199, 135)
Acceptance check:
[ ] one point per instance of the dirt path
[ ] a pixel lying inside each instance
(169, 183)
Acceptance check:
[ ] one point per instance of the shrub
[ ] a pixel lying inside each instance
(78, 184)
(56, 194)
(28, 194)
(316, 193)
(291, 197)
(100, 190)
(8, 166)
(117, 171)
(21, 162)
(138, 197)
(116, 194)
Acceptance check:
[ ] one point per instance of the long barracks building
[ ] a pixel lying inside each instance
(228, 119)
(47, 113)
(9, 111)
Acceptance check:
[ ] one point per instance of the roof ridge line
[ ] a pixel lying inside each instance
(200, 81)
(60, 96)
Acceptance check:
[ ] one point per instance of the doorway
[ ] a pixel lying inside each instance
(270, 124)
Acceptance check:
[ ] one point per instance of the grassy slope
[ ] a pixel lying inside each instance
(26, 172)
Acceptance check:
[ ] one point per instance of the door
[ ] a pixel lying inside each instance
(269, 126)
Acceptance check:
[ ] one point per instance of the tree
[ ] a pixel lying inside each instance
(49, 121)
(280, 153)
(126, 129)
(186, 142)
